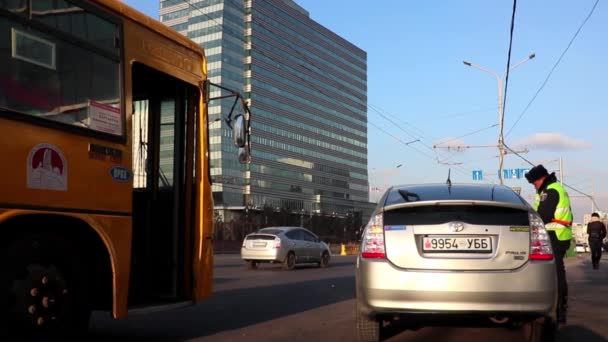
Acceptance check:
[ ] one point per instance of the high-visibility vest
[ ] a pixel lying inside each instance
(561, 223)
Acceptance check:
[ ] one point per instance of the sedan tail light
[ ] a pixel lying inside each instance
(277, 243)
(373, 239)
(540, 244)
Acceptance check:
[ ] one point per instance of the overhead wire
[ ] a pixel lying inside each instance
(478, 160)
(295, 50)
(504, 98)
(554, 67)
(505, 91)
(454, 115)
(446, 160)
(442, 142)
(563, 183)
(456, 165)
(420, 131)
(238, 36)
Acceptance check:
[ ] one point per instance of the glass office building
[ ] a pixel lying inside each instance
(307, 90)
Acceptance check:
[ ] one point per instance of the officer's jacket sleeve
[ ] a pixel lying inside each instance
(547, 206)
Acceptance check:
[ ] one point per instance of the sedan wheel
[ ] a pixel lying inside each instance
(290, 261)
(324, 260)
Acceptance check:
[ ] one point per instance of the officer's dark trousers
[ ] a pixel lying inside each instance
(559, 251)
(596, 251)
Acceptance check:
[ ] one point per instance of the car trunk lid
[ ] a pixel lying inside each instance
(457, 236)
(260, 241)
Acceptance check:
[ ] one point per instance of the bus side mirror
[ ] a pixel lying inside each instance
(239, 131)
(244, 157)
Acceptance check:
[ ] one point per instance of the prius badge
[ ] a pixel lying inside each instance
(455, 227)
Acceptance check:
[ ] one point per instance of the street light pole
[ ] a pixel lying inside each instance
(500, 81)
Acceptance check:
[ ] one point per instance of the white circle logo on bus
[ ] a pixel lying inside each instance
(47, 168)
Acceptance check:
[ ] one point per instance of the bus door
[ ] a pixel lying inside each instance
(162, 122)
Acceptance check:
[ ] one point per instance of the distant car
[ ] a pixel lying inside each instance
(437, 254)
(287, 245)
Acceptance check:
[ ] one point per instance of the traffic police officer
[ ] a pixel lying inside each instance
(553, 205)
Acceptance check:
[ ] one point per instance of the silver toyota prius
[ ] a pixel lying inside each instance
(472, 255)
(286, 245)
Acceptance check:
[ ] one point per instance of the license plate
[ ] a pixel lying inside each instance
(259, 244)
(457, 244)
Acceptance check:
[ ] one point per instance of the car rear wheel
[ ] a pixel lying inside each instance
(541, 330)
(369, 329)
(252, 265)
(290, 261)
(324, 260)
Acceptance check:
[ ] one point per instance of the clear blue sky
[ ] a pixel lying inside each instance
(416, 79)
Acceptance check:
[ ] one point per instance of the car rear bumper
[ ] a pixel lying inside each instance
(261, 255)
(383, 288)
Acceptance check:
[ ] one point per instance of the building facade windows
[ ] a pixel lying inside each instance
(307, 89)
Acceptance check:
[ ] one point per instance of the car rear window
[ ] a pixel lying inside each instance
(273, 231)
(260, 237)
(472, 214)
(434, 192)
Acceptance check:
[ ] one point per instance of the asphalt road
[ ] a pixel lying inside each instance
(311, 304)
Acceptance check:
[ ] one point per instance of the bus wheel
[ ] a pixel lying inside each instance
(46, 288)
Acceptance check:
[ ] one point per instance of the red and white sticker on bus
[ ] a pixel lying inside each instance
(47, 168)
(105, 118)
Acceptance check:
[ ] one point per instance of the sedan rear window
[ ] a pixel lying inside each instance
(435, 192)
(273, 231)
(472, 214)
(260, 237)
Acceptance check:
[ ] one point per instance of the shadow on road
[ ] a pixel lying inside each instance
(226, 310)
(579, 333)
(334, 262)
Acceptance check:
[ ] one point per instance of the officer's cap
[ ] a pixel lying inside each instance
(536, 173)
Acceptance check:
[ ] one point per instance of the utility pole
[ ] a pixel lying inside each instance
(500, 80)
(561, 167)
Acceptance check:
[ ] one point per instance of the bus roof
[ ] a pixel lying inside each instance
(128, 12)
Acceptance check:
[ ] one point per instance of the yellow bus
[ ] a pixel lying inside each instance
(105, 200)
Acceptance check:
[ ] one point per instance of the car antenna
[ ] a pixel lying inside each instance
(449, 181)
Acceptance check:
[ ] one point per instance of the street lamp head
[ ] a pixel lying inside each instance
(532, 56)
(466, 63)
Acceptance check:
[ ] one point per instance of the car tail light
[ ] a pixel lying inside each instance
(277, 243)
(373, 239)
(540, 244)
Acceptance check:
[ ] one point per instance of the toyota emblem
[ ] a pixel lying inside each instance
(456, 227)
